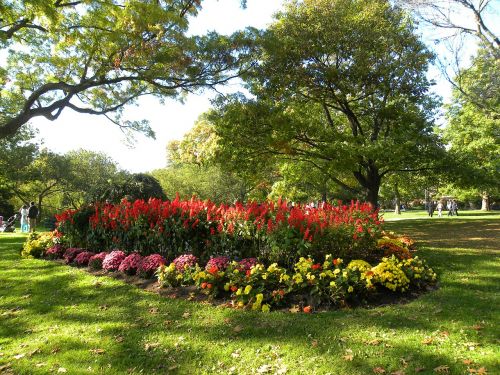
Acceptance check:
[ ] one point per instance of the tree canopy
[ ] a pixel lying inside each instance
(96, 57)
(342, 85)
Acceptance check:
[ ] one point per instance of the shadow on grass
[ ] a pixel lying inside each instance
(143, 332)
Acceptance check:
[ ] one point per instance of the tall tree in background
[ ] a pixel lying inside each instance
(96, 57)
(473, 130)
(342, 82)
(456, 25)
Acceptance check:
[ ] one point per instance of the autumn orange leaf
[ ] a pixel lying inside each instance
(379, 370)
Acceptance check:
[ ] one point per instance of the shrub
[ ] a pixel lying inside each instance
(71, 253)
(55, 252)
(218, 263)
(171, 276)
(130, 264)
(418, 272)
(184, 262)
(83, 258)
(247, 263)
(271, 231)
(259, 287)
(113, 260)
(36, 244)
(388, 274)
(95, 262)
(149, 265)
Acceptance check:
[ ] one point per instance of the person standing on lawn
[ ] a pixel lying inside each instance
(32, 216)
(440, 208)
(430, 208)
(24, 218)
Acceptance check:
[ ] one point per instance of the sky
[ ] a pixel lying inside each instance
(171, 120)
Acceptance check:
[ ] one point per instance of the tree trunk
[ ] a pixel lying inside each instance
(40, 198)
(397, 209)
(371, 182)
(485, 202)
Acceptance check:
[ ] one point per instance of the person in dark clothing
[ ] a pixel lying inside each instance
(32, 216)
(430, 208)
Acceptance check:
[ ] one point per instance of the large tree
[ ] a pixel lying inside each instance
(473, 130)
(341, 84)
(458, 25)
(97, 56)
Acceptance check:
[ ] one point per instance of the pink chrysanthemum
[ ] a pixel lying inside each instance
(113, 260)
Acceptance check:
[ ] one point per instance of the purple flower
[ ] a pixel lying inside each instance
(247, 263)
(185, 261)
(95, 261)
(150, 264)
(130, 264)
(113, 260)
(55, 252)
(220, 263)
(83, 258)
(71, 253)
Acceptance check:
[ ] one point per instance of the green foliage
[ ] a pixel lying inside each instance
(36, 244)
(342, 86)
(96, 57)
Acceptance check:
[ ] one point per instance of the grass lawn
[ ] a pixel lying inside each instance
(57, 319)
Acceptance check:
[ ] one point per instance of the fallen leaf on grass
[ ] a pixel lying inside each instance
(294, 309)
(398, 372)
(236, 353)
(5, 367)
(103, 307)
(467, 362)
(378, 370)
(186, 315)
(119, 338)
(19, 356)
(151, 345)
(420, 369)
(314, 343)
(480, 371)
(55, 350)
(348, 357)
(443, 369)
(374, 342)
(238, 329)
(264, 369)
(191, 296)
(477, 327)
(97, 351)
(428, 340)
(36, 351)
(444, 333)
(62, 370)
(153, 310)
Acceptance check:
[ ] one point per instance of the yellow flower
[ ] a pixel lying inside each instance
(264, 276)
(236, 271)
(238, 292)
(272, 267)
(284, 277)
(350, 289)
(332, 284)
(259, 297)
(337, 271)
(265, 308)
(248, 289)
(226, 287)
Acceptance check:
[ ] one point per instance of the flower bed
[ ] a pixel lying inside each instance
(274, 231)
(251, 284)
(294, 256)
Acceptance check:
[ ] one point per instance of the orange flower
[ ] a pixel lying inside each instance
(203, 285)
(209, 286)
(307, 309)
(213, 270)
(234, 288)
(316, 266)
